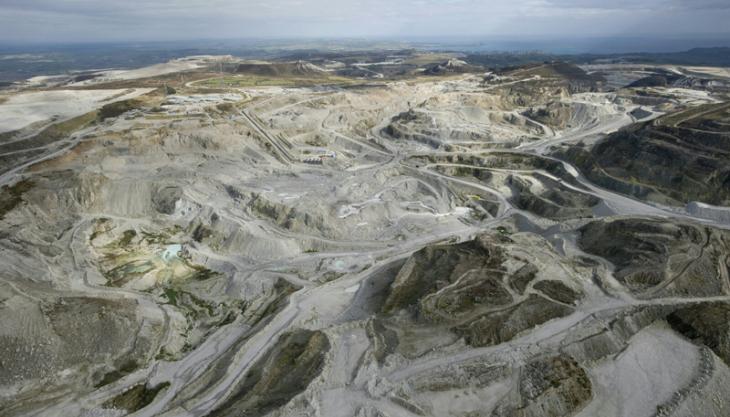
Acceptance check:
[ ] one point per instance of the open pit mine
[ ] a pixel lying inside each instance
(367, 236)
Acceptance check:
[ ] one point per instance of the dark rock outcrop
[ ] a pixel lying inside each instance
(284, 371)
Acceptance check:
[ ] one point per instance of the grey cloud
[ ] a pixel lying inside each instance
(39, 20)
(658, 5)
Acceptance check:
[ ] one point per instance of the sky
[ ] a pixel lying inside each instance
(161, 20)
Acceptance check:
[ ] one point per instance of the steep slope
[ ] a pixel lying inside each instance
(679, 158)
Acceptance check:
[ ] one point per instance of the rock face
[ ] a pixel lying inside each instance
(165, 199)
(555, 114)
(677, 159)
(658, 257)
(503, 326)
(136, 398)
(705, 324)
(549, 387)
(436, 267)
(283, 372)
(548, 198)
(483, 290)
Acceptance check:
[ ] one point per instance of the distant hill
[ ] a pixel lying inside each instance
(569, 74)
(452, 66)
(566, 70)
(717, 57)
(281, 69)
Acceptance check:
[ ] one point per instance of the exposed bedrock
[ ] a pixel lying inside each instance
(659, 257)
(549, 387)
(284, 371)
(48, 342)
(707, 324)
(485, 290)
(680, 158)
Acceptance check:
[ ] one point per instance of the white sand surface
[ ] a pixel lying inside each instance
(24, 109)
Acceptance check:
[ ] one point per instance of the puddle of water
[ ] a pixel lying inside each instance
(171, 252)
(339, 266)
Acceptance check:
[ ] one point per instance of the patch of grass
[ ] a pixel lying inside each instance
(503, 231)
(117, 277)
(53, 133)
(118, 108)
(183, 299)
(71, 125)
(136, 398)
(171, 294)
(155, 237)
(122, 242)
